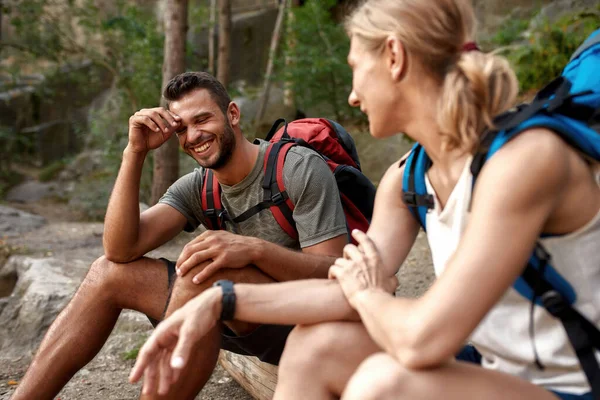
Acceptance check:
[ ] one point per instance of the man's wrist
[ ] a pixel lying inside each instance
(130, 153)
(258, 251)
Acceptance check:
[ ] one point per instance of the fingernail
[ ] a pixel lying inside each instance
(177, 362)
(178, 271)
(166, 129)
(174, 122)
(195, 280)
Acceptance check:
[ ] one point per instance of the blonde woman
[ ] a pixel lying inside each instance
(412, 74)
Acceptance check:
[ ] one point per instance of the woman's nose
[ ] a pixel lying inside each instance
(353, 99)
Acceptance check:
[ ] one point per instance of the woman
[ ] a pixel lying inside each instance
(534, 184)
(411, 74)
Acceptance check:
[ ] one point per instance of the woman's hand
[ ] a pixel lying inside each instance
(169, 348)
(361, 269)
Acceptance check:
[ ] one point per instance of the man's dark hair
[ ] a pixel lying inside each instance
(187, 82)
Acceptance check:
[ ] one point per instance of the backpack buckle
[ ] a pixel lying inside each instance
(414, 199)
(555, 303)
(210, 213)
(277, 198)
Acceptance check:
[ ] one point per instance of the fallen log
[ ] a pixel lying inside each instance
(256, 377)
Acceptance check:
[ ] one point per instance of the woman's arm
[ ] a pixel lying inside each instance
(295, 302)
(517, 191)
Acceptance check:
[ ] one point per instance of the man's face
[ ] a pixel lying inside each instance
(205, 133)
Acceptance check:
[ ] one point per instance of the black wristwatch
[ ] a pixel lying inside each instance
(228, 302)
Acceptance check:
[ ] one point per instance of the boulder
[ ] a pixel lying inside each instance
(41, 292)
(15, 222)
(84, 164)
(32, 191)
(275, 109)
(559, 8)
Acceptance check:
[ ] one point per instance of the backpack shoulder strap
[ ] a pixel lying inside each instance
(414, 190)
(544, 286)
(539, 281)
(211, 201)
(275, 196)
(591, 41)
(274, 188)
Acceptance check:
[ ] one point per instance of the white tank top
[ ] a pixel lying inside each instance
(503, 336)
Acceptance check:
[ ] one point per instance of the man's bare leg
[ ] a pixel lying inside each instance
(381, 377)
(81, 329)
(326, 355)
(199, 369)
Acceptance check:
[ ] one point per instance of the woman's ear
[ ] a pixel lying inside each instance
(397, 60)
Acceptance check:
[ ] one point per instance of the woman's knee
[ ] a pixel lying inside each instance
(379, 377)
(312, 344)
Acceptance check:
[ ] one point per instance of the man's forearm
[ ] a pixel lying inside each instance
(292, 303)
(283, 264)
(121, 224)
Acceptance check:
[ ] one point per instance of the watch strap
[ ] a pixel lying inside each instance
(228, 301)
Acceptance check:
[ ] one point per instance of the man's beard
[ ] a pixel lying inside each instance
(226, 147)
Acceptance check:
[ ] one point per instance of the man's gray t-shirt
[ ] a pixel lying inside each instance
(318, 212)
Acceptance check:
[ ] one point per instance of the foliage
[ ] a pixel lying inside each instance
(549, 49)
(125, 47)
(52, 170)
(318, 72)
(11, 146)
(126, 42)
(510, 32)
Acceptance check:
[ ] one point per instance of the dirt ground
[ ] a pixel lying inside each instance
(78, 244)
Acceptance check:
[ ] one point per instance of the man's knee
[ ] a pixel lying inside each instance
(104, 275)
(377, 378)
(185, 288)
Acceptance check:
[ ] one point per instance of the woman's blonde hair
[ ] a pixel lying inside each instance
(475, 86)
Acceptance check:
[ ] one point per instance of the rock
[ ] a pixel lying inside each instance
(52, 140)
(274, 110)
(84, 164)
(143, 207)
(8, 279)
(31, 192)
(14, 222)
(559, 8)
(40, 294)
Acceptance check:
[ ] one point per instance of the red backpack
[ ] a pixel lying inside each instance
(337, 148)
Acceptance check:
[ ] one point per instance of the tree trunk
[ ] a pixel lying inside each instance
(290, 38)
(224, 41)
(166, 157)
(272, 52)
(211, 37)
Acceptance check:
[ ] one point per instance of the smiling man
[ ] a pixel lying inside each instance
(256, 250)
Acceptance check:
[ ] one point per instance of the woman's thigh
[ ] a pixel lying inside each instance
(382, 377)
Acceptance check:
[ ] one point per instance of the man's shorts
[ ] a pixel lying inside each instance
(266, 342)
(470, 354)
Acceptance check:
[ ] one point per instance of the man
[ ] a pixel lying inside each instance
(207, 125)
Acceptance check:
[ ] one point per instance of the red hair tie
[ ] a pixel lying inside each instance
(470, 46)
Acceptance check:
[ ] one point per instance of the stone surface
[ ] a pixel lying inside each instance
(41, 292)
(84, 163)
(31, 191)
(274, 110)
(559, 8)
(14, 222)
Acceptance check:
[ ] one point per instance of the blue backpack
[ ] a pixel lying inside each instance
(570, 106)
